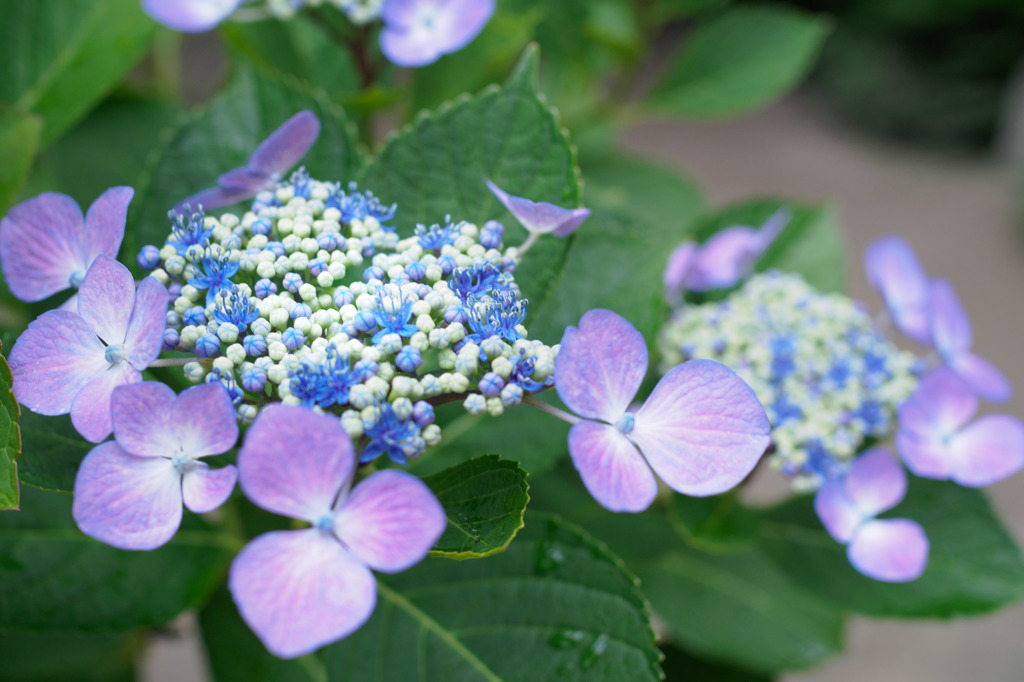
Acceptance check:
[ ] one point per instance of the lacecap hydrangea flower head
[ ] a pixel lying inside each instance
(322, 339)
(836, 387)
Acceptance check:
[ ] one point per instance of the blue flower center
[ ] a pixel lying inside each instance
(324, 524)
(626, 423)
(114, 353)
(182, 463)
(76, 278)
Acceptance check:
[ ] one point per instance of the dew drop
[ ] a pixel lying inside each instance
(594, 652)
(550, 556)
(566, 638)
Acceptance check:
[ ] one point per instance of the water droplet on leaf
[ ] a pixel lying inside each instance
(566, 639)
(594, 652)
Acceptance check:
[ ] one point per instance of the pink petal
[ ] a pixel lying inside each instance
(142, 421)
(204, 489)
(839, 516)
(984, 379)
(300, 590)
(41, 246)
(106, 298)
(90, 410)
(287, 145)
(611, 468)
(987, 451)
(126, 501)
(894, 271)
(678, 269)
(294, 461)
(205, 420)
(876, 482)
(950, 326)
(925, 457)
(725, 259)
(390, 521)
(702, 429)
(104, 223)
(190, 16)
(600, 366)
(892, 550)
(939, 406)
(53, 360)
(144, 338)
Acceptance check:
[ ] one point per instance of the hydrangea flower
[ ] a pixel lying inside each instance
(129, 492)
(419, 32)
(893, 550)
(952, 335)
(702, 429)
(936, 441)
(72, 362)
(47, 246)
(894, 271)
(190, 16)
(540, 217)
(267, 165)
(723, 260)
(301, 589)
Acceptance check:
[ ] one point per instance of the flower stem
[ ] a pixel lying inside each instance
(175, 362)
(551, 409)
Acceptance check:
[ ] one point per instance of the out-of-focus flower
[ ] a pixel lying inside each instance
(190, 16)
(419, 32)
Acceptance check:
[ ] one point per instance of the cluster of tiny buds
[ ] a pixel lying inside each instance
(827, 376)
(310, 298)
(358, 11)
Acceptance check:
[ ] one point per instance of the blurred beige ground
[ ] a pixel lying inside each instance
(959, 215)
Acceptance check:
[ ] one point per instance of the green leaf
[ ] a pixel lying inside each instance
(54, 578)
(973, 567)
(741, 60)
(484, 500)
(236, 655)
(682, 666)
(223, 134)
(19, 140)
(53, 657)
(555, 604)
(51, 452)
(437, 166)
(58, 58)
(10, 439)
(718, 523)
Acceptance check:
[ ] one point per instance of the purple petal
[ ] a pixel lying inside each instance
(939, 406)
(409, 48)
(190, 16)
(541, 217)
(287, 145)
(950, 326)
(142, 421)
(215, 197)
(892, 550)
(300, 590)
(294, 461)
(126, 501)
(725, 259)
(144, 337)
(466, 19)
(839, 516)
(680, 262)
(247, 179)
(104, 223)
(926, 457)
(204, 489)
(988, 451)
(600, 365)
(205, 420)
(984, 379)
(390, 521)
(611, 468)
(702, 429)
(876, 482)
(41, 246)
(897, 275)
(417, 32)
(53, 360)
(90, 410)
(106, 298)
(772, 228)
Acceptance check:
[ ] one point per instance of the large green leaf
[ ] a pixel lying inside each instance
(742, 59)
(682, 666)
(54, 578)
(717, 523)
(19, 140)
(556, 604)
(222, 135)
(51, 452)
(52, 657)
(10, 439)
(58, 58)
(437, 165)
(973, 567)
(484, 499)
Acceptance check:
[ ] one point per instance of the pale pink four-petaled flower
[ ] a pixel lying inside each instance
(301, 589)
(702, 429)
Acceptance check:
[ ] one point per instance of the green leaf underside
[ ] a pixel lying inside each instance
(51, 452)
(555, 604)
(222, 135)
(437, 165)
(19, 141)
(10, 439)
(58, 58)
(973, 566)
(54, 578)
(484, 499)
(743, 59)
